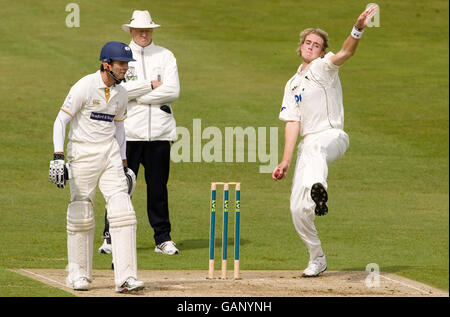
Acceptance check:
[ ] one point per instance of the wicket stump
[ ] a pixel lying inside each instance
(212, 230)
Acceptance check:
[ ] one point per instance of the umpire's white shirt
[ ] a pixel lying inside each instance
(314, 97)
(94, 107)
(146, 121)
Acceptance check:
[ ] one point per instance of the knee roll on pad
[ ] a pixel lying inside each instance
(80, 216)
(119, 203)
(120, 211)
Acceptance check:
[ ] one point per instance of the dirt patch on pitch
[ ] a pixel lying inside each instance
(171, 283)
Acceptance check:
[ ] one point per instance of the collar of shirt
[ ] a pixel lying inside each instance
(134, 46)
(101, 85)
(100, 82)
(300, 71)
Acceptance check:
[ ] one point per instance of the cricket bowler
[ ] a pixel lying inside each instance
(312, 107)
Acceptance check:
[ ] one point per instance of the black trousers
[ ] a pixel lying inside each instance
(155, 158)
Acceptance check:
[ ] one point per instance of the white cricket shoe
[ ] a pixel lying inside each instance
(167, 247)
(106, 247)
(130, 285)
(315, 267)
(82, 284)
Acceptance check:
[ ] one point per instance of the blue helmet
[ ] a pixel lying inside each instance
(116, 51)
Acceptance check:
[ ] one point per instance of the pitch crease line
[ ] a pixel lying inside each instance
(407, 285)
(41, 276)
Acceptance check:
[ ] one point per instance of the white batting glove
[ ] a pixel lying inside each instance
(131, 179)
(58, 172)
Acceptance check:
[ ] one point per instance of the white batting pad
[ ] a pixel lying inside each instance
(80, 239)
(122, 227)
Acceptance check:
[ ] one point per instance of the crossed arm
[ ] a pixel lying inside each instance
(156, 91)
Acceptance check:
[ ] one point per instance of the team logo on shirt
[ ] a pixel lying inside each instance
(102, 116)
(131, 73)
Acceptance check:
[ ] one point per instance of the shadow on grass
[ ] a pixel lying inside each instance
(192, 244)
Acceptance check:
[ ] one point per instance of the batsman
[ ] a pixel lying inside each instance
(96, 157)
(313, 108)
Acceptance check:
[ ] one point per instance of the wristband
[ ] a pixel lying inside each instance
(58, 156)
(356, 32)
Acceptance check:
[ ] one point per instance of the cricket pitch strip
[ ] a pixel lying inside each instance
(172, 283)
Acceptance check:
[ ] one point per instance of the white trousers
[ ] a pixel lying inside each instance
(95, 165)
(315, 152)
(92, 166)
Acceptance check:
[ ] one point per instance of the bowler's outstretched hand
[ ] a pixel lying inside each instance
(366, 16)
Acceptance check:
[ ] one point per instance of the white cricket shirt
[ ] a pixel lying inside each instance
(314, 97)
(94, 108)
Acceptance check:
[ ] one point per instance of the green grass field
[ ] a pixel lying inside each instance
(389, 195)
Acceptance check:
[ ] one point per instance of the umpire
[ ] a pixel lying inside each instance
(152, 83)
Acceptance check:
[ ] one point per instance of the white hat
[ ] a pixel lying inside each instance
(140, 20)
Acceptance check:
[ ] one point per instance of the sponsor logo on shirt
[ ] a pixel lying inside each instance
(283, 108)
(102, 116)
(298, 98)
